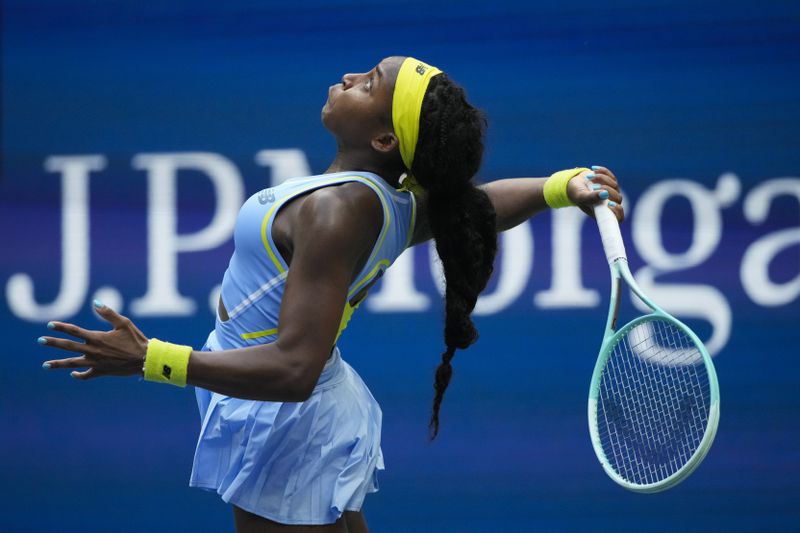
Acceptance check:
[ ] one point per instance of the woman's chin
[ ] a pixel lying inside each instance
(324, 112)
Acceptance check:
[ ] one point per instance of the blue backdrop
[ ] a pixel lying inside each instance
(117, 118)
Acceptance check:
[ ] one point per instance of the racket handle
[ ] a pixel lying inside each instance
(609, 232)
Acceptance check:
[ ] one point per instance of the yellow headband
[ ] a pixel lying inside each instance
(409, 90)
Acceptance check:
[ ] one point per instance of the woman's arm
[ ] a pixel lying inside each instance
(516, 200)
(326, 253)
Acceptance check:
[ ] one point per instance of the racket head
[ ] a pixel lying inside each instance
(653, 403)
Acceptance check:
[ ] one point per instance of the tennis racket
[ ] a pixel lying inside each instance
(654, 397)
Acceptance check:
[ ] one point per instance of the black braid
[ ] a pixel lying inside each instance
(462, 219)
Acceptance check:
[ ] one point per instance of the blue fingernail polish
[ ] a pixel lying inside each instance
(98, 304)
(612, 204)
(51, 325)
(604, 194)
(46, 366)
(590, 176)
(41, 340)
(595, 167)
(595, 186)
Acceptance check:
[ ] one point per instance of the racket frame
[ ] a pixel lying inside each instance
(618, 265)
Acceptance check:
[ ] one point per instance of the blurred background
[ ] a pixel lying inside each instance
(132, 132)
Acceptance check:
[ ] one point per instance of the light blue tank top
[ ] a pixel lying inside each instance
(252, 288)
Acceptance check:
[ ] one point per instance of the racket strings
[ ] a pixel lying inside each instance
(654, 402)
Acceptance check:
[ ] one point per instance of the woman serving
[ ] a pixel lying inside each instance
(290, 435)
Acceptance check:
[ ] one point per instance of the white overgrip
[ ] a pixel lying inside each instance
(609, 232)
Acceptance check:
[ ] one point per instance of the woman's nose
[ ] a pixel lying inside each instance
(348, 80)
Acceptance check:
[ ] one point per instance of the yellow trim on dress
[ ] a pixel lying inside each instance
(317, 185)
(264, 239)
(387, 219)
(370, 276)
(387, 216)
(258, 334)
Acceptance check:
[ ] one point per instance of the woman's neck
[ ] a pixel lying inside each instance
(345, 161)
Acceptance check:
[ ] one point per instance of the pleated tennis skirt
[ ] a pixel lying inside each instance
(293, 463)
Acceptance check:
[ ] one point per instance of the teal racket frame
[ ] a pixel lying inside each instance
(618, 265)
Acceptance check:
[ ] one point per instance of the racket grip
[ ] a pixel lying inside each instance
(609, 232)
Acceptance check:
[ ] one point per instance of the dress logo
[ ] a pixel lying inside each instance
(421, 69)
(266, 196)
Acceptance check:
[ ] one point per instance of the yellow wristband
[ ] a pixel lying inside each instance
(555, 188)
(166, 362)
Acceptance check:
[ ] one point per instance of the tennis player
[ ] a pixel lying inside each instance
(290, 435)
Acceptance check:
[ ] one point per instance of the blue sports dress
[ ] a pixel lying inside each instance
(306, 462)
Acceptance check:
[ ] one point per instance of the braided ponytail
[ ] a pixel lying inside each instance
(462, 219)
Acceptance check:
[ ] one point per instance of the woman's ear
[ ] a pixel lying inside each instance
(385, 142)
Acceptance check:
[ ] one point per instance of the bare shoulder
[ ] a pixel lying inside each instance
(347, 212)
(335, 205)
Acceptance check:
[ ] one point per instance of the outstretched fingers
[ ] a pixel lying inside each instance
(118, 352)
(67, 344)
(86, 374)
(70, 329)
(111, 316)
(70, 362)
(64, 344)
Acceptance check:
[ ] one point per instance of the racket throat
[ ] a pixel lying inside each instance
(612, 316)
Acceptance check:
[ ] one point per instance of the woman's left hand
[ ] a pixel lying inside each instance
(589, 188)
(118, 352)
